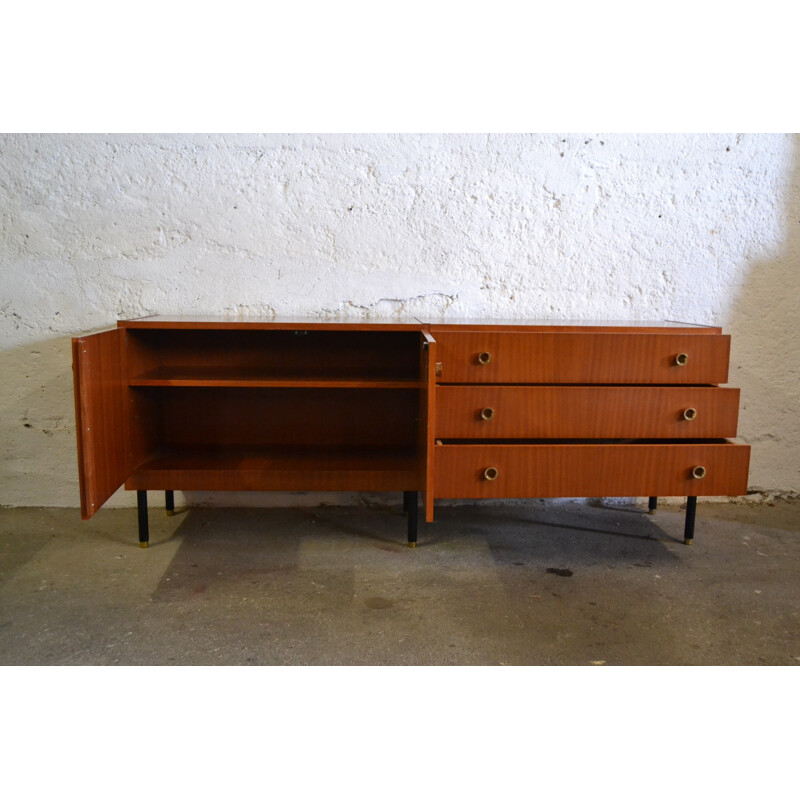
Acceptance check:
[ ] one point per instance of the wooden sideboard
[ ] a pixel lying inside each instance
(466, 409)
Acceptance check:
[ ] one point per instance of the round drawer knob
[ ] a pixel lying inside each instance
(487, 413)
(699, 472)
(484, 358)
(682, 359)
(490, 473)
(690, 414)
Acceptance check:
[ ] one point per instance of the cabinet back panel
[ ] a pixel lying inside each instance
(279, 353)
(289, 416)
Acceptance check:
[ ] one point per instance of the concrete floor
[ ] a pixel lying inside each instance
(533, 584)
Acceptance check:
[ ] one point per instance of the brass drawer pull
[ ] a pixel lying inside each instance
(699, 472)
(690, 414)
(487, 413)
(490, 473)
(484, 358)
(682, 359)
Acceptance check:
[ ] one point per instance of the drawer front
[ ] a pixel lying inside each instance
(586, 412)
(533, 357)
(590, 470)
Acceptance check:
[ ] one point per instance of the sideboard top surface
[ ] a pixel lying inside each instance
(272, 323)
(579, 325)
(407, 324)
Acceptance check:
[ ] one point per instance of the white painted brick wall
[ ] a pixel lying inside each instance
(699, 228)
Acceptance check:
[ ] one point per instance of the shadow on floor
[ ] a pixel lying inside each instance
(232, 546)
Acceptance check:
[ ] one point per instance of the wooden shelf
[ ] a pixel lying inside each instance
(265, 468)
(254, 378)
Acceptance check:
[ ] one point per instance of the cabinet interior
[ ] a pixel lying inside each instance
(282, 356)
(208, 404)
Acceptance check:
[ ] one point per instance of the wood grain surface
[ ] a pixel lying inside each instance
(289, 416)
(102, 415)
(586, 412)
(613, 358)
(591, 470)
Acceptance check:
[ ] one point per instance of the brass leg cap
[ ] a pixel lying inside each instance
(170, 513)
(143, 544)
(688, 541)
(652, 511)
(412, 544)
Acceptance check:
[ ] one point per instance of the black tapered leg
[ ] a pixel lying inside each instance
(406, 501)
(653, 505)
(688, 531)
(170, 502)
(413, 517)
(144, 529)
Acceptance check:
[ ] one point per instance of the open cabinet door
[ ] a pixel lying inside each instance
(101, 416)
(428, 418)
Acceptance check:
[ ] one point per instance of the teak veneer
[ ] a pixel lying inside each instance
(456, 409)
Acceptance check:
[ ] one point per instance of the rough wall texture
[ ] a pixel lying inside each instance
(94, 228)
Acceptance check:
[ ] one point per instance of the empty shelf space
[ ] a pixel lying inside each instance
(358, 359)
